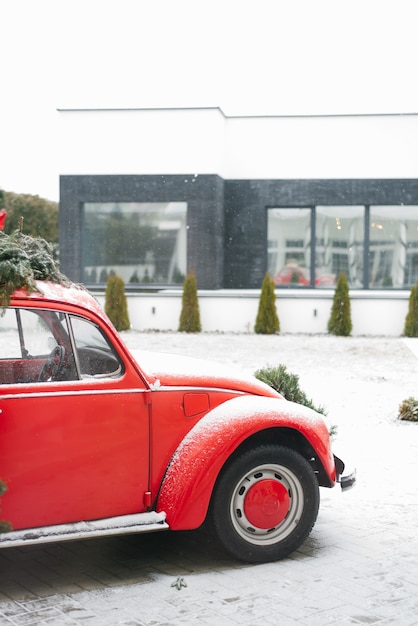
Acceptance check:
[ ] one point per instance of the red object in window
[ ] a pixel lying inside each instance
(292, 274)
(3, 215)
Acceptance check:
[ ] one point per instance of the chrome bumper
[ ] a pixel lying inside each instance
(347, 481)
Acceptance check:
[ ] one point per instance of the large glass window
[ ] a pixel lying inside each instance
(143, 243)
(339, 244)
(375, 246)
(289, 246)
(393, 255)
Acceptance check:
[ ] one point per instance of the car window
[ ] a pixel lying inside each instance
(95, 355)
(25, 334)
(37, 334)
(35, 347)
(9, 336)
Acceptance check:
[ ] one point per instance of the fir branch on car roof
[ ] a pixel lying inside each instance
(24, 260)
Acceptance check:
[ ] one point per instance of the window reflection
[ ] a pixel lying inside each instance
(140, 242)
(393, 258)
(339, 245)
(289, 246)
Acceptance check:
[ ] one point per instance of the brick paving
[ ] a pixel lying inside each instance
(359, 566)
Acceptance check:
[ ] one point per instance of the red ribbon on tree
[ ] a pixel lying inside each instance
(2, 218)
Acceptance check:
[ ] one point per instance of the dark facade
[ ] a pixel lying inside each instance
(205, 219)
(226, 219)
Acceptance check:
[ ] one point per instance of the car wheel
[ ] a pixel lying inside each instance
(265, 504)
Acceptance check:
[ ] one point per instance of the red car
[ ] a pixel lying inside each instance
(295, 275)
(94, 441)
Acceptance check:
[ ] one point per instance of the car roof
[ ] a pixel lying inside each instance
(54, 293)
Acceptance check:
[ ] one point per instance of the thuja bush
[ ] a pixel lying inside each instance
(116, 306)
(267, 321)
(287, 384)
(411, 320)
(339, 322)
(190, 313)
(4, 526)
(408, 410)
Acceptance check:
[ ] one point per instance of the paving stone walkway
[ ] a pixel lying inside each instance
(359, 565)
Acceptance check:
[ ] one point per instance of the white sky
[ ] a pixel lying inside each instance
(248, 57)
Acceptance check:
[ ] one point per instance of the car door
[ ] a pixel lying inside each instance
(74, 443)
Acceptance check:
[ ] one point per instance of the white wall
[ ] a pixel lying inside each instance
(137, 141)
(204, 141)
(322, 147)
(301, 312)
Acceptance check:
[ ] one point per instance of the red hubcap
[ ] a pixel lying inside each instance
(266, 503)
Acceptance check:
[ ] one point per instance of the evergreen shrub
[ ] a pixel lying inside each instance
(190, 313)
(411, 320)
(116, 306)
(23, 261)
(267, 321)
(4, 526)
(408, 410)
(339, 322)
(287, 384)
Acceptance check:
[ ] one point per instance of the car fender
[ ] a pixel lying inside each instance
(191, 475)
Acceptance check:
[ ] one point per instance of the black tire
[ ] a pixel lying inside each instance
(265, 504)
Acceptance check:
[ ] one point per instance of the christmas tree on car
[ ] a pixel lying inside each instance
(23, 261)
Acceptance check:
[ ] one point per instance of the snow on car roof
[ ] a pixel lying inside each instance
(74, 295)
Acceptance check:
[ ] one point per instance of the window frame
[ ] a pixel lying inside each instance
(367, 244)
(117, 267)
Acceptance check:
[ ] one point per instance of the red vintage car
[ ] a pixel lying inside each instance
(94, 441)
(293, 274)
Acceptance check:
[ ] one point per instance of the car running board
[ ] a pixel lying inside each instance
(123, 525)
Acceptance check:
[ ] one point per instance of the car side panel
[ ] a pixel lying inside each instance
(187, 487)
(176, 411)
(72, 453)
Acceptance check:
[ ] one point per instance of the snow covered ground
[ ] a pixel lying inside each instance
(359, 564)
